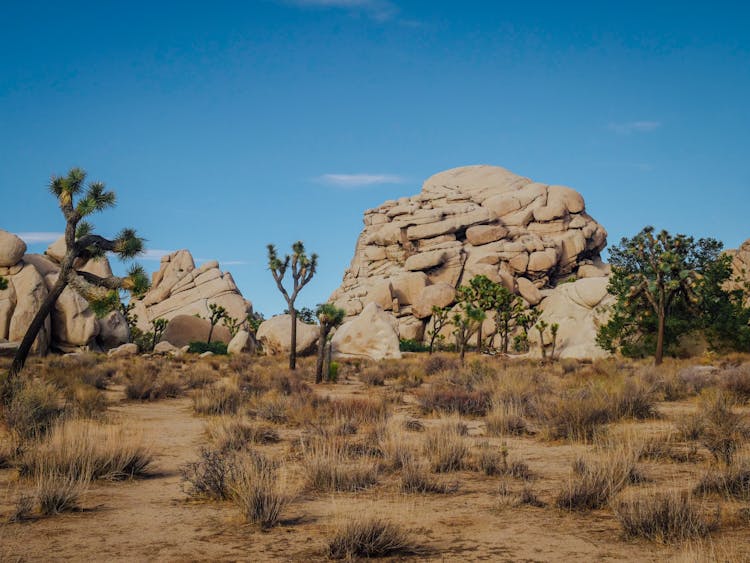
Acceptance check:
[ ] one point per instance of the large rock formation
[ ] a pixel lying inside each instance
(740, 266)
(414, 251)
(179, 288)
(184, 329)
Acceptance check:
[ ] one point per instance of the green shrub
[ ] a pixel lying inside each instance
(218, 348)
(408, 345)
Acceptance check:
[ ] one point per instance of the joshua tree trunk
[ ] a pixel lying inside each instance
(38, 321)
(293, 348)
(322, 341)
(479, 338)
(658, 357)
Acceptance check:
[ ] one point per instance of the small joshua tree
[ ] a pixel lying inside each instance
(303, 269)
(465, 324)
(217, 313)
(542, 327)
(232, 325)
(77, 201)
(329, 317)
(3, 283)
(158, 326)
(439, 320)
(554, 328)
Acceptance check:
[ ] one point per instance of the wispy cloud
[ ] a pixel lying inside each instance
(233, 262)
(635, 127)
(379, 10)
(358, 180)
(37, 237)
(154, 254)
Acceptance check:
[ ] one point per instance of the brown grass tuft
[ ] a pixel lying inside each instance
(370, 537)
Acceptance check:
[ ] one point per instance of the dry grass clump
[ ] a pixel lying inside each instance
(230, 433)
(150, 386)
(34, 409)
(358, 411)
(87, 401)
(437, 363)
(54, 493)
(494, 461)
(217, 400)
(698, 378)
(732, 481)
(445, 449)
(575, 415)
(328, 467)
(724, 430)
(397, 451)
(596, 481)
(453, 400)
(508, 497)
(506, 419)
(663, 517)
(83, 449)
(415, 479)
(370, 537)
(255, 489)
(666, 448)
(199, 376)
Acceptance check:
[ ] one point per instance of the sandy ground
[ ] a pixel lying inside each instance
(152, 520)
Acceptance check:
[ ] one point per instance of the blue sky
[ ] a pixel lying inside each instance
(224, 126)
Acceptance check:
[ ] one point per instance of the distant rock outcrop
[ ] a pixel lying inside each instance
(414, 251)
(740, 266)
(179, 288)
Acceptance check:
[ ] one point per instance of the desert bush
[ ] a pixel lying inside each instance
(211, 476)
(633, 399)
(505, 419)
(437, 363)
(34, 409)
(217, 400)
(372, 377)
(662, 448)
(529, 498)
(732, 481)
(397, 452)
(328, 467)
(255, 490)
(413, 425)
(698, 378)
(569, 365)
(235, 434)
(88, 401)
(523, 386)
(595, 482)
(664, 382)
(736, 381)
(725, 430)
(415, 479)
(273, 407)
(453, 399)
(83, 449)
(445, 449)
(663, 517)
(690, 426)
(216, 347)
(370, 537)
(152, 386)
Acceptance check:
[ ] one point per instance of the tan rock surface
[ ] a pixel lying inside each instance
(12, 249)
(184, 329)
(373, 334)
(275, 335)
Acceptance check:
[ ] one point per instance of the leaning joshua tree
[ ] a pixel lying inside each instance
(330, 317)
(303, 269)
(77, 201)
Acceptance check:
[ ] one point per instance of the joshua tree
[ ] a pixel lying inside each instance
(439, 320)
(233, 325)
(508, 308)
(217, 313)
(541, 326)
(77, 201)
(303, 270)
(554, 327)
(465, 324)
(3, 283)
(158, 326)
(329, 317)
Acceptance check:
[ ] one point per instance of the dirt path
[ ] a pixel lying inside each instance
(139, 520)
